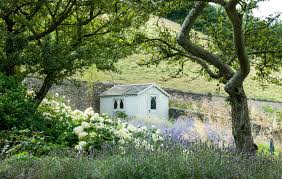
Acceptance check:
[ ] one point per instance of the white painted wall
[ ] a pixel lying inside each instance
(106, 105)
(162, 108)
(130, 103)
(138, 105)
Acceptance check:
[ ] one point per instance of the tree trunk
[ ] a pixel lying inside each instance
(12, 57)
(40, 95)
(241, 126)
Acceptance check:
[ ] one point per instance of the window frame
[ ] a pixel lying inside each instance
(121, 100)
(118, 100)
(150, 102)
(115, 101)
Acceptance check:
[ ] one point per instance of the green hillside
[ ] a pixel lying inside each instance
(131, 72)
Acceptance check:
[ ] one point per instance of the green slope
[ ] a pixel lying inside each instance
(130, 72)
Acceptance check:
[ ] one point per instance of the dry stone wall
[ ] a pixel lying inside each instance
(81, 95)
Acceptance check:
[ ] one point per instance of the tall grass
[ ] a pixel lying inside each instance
(198, 160)
(266, 122)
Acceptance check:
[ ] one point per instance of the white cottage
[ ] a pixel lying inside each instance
(139, 100)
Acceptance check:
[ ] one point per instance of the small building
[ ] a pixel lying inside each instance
(138, 100)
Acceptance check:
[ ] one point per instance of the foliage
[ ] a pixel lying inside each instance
(15, 142)
(179, 12)
(263, 149)
(180, 104)
(262, 40)
(55, 39)
(16, 107)
(171, 161)
(58, 122)
(50, 128)
(120, 115)
(58, 126)
(224, 56)
(274, 112)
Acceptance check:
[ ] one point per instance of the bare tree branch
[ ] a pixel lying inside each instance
(164, 42)
(204, 65)
(238, 38)
(221, 2)
(265, 51)
(184, 40)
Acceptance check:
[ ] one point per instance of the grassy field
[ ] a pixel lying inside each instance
(130, 72)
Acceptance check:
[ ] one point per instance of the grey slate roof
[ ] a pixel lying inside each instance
(134, 89)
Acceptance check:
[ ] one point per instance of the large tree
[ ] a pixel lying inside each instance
(231, 45)
(55, 39)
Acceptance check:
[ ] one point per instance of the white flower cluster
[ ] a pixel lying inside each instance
(57, 108)
(95, 128)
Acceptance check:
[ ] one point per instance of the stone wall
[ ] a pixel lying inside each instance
(175, 113)
(82, 95)
(78, 94)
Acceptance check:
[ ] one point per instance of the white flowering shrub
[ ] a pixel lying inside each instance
(95, 131)
(59, 121)
(59, 126)
(51, 128)
(92, 130)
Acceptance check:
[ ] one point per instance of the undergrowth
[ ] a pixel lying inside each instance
(198, 160)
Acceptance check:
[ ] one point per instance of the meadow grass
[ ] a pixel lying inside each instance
(131, 72)
(198, 160)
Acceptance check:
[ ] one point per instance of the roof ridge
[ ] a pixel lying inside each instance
(131, 89)
(137, 84)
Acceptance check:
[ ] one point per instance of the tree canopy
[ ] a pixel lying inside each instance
(55, 39)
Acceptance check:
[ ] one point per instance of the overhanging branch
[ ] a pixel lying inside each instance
(184, 40)
(238, 38)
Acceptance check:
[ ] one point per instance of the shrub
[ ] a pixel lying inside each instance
(120, 114)
(16, 142)
(49, 127)
(58, 122)
(16, 107)
(95, 131)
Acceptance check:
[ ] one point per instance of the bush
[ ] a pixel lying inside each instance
(16, 107)
(58, 122)
(120, 114)
(95, 131)
(16, 142)
(51, 126)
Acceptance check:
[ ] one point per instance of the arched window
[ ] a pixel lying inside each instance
(153, 102)
(121, 104)
(115, 104)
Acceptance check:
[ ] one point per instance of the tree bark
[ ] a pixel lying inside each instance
(241, 126)
(41, 94)
(9, 66)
